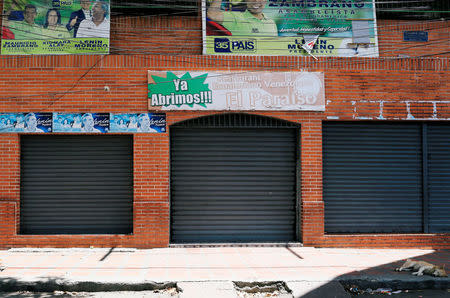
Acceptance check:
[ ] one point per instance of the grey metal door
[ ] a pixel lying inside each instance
(372, 177)
(439, 178)
(233, 184)
(76, 184)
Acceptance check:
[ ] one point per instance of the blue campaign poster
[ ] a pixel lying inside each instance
(26, 122)
(35, 122)
(81, 122)
(158, 122)
(124, 122)
(144, 122)
(8, 122)
(66, 122)
(95, 122)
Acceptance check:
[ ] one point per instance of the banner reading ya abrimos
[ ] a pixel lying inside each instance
(236, 91)
(33, 27)
(342, 28)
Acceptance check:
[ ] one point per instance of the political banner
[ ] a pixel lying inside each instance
(26, 122)
(285, 91)
(144, 122)
(81, 122)
(33, 27)
(337, 28)
(11, 122)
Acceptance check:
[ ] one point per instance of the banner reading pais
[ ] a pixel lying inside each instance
(341, 28)
(288, 91)
(33, 27)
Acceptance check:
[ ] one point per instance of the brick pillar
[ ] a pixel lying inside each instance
(151, 190)
(9, 188)
(312, 212)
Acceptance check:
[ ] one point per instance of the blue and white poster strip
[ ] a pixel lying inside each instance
(82, 122)
(26, 122)
(144, 122)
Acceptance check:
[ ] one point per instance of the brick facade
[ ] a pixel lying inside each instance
(377, 89)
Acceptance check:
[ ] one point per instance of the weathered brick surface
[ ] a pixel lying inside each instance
(381, 89)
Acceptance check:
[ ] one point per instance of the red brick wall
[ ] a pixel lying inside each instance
(9, 188)
(391, 44)
(368, 89)
(181, 35)
(151, 185)
(356, 89)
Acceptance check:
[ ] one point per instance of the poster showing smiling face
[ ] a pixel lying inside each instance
(32, 122)
(143, 122)
(82, 122)
(340, 28)
(33, 27)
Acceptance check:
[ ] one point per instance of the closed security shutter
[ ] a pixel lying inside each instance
(76, 184)
(439, 178)
(372, 177)
(233, 184)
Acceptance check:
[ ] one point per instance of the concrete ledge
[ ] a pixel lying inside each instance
(71, 250)
(216, 289)
(58, 285)
(251, 244)
(363, 282)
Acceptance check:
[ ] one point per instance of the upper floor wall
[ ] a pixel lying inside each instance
(181, 34)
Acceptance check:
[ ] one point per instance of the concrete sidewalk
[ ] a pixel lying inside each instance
(128, 268)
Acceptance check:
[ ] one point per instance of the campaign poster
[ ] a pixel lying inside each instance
(248, 91)
(8, 122)
(143, 122)
(81, 122)
(66, 122)
(336, 28)
(46, 27)
(26, 122)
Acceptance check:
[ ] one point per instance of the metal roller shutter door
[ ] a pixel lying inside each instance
(76, 184)
(233, 185)
(372, 177)
(439, 178)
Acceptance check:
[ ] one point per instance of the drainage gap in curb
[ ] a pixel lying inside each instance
(262, 289)
(62, 286)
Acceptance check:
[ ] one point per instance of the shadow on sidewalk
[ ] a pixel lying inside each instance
(382, 276)
(385, 276)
